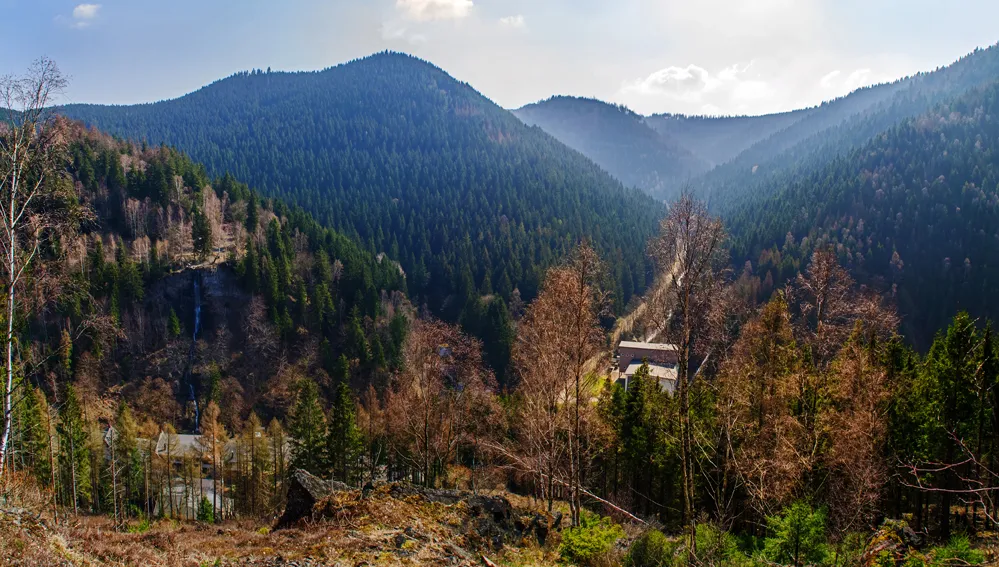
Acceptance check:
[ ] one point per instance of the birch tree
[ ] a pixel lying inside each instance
(31, 144)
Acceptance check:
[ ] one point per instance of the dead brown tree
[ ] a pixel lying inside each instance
(558, 338)
(433, 398)
(689, 258)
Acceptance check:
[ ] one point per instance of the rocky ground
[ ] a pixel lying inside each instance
(390, 524)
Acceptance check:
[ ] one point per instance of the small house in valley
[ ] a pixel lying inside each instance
(660, 357)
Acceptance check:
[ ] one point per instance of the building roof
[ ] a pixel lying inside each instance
(648, 346)
(658, 371)
(190, 444)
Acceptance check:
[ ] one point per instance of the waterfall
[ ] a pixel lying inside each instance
(197, 307)
(190, 357)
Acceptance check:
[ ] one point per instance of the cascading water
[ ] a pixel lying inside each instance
(190, 357)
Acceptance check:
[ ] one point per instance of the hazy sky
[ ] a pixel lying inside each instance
(690, 56)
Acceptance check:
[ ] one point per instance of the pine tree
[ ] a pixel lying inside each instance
(201, 232)
(256, 454)
(252, 214)
(357, 343)
(307, 427)
(74, 457)
(344, 444)
(324, 308)
(173, 324)
(497, 338)
(341, 371)
(38, 433)
(66, 353)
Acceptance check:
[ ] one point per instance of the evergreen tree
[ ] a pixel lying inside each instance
(201, 232)
(341, 371)
(33, 434)
(173, 324)
(307, 427)
(278, 468)
(130, 458)
(357, 343)
(74, 455)
(252, 214)
(344, 444)
(497, 338)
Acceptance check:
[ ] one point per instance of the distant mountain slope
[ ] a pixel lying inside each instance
(838, 127)
(414, 163)
(914, 211)
(617, 140)
(719, 139)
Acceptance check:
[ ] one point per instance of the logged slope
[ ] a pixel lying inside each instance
(914, 211)
(616, 139)
(414, 163)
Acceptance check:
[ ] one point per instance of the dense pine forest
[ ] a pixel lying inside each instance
(912, 212)
(378, 285)
(392, 151)
(617, 140)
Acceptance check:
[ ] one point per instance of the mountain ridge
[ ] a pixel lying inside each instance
(392, 150)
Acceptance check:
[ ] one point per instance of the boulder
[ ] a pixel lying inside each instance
(304, 491)
(892, 544)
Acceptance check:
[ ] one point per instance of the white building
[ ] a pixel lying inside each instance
(660, 357)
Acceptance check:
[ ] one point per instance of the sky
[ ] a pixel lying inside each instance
(679, 56)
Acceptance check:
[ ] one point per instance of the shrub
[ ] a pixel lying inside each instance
(652, 549)
(718, 547)
(591, 541)
(142, 526)
(958, 551)
(798, 536)
(205, 511)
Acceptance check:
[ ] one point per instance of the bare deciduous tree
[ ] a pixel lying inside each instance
(557, 341)
(433, 398)
(829, 304)
(689, 256)
(31, 144)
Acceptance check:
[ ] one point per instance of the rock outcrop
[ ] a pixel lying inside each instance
(305, 490)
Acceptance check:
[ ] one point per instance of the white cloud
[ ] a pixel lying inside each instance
(427, 10)
(397, 31)
(766, 84)
(829, 81)
(515, 22)
(679, 82)
(84, 14)
(860, 78)
(731, 88)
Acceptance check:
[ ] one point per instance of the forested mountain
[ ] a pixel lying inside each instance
(913, 211)
(897, 176)
(741, 155)
(176, 291)
(618, 140)
(717, 139)
(839, 127)
(415, 164)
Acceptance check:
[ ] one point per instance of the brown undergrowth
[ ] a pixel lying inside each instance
(390, 525)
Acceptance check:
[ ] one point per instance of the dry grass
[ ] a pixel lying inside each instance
(375, 531)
